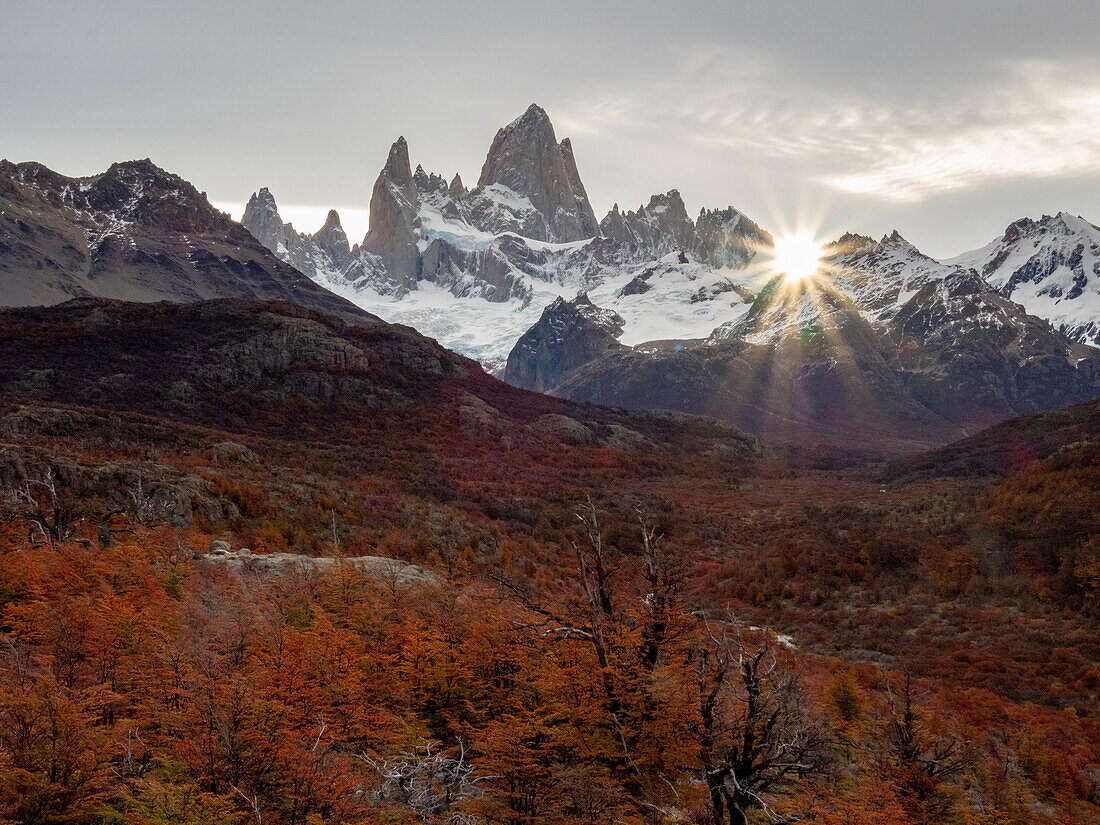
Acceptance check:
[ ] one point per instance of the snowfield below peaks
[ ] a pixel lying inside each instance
(680, 300)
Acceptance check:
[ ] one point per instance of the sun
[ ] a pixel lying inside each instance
(797, 256)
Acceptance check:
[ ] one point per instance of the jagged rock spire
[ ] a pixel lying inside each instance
(332, 239)
(261, 218)
(456, 190)
(397, 170)
(394, 207)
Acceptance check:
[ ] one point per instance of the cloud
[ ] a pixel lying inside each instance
(1045, 123)
(1034, 120)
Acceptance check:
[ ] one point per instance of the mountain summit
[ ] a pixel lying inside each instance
(527, 161)
(524, 236)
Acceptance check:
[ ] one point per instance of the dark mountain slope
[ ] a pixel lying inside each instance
(279, 370)
(137, 233)
(1007, 447)
(803, 366)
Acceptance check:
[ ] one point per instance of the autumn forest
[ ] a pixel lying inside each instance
(524, 610)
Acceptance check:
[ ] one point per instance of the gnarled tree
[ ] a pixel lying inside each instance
(755, 732)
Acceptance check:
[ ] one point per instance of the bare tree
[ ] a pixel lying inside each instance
(599, 618)
(428, 782)
(141, 503)
(52, 515)
(253, 803)
(132, 766)
(756, 736)
(106, 528)
(920, 758)
(663, 576)
(596, 572)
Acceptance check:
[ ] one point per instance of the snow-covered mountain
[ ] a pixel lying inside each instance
(475, 268)
(884, 348)
(1051, 267)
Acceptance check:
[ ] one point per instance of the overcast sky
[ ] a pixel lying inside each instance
(945, 119)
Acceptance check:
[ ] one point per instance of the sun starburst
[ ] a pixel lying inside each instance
(797, 257)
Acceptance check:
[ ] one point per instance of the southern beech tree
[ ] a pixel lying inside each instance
(684, 701)
(756, 735)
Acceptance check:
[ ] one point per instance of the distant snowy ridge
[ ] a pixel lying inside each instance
(1051, 267)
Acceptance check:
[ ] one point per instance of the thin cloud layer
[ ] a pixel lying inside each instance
(1045, 123)
(1038, 120)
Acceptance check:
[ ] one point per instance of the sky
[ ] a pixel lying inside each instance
(943, 119)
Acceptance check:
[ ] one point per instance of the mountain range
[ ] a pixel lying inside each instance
(885, 348)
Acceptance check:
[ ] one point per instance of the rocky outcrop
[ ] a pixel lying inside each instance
(379, 568)
(569, 335)
(151, 493)
(272, 374)
(220, 356)
(138, 233)
(529, 184)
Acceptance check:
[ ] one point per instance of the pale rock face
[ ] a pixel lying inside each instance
(261, 218)
(333, 241)
(485, 273)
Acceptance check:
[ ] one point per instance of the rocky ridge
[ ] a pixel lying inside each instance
(135, 232)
